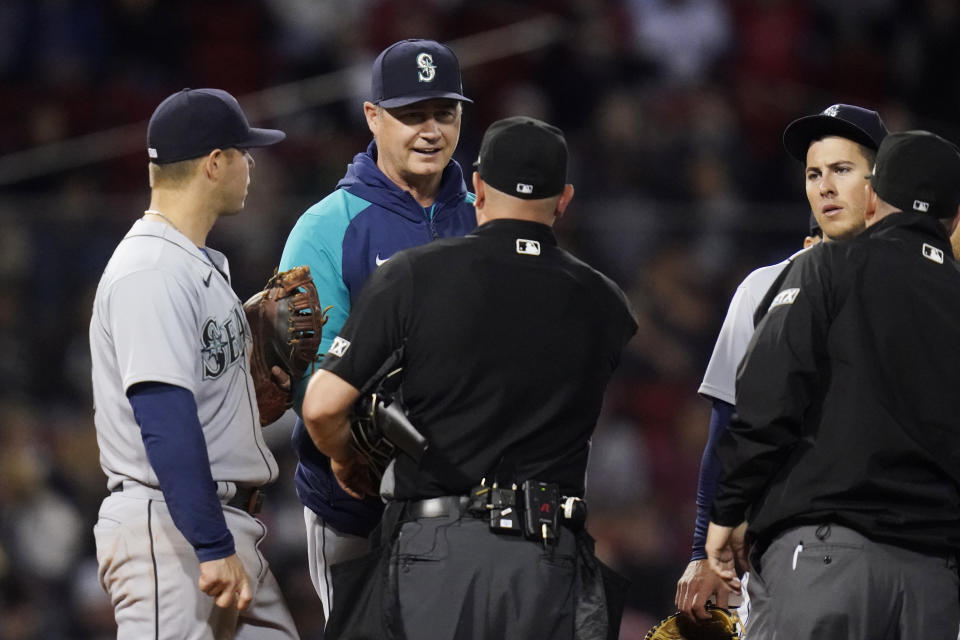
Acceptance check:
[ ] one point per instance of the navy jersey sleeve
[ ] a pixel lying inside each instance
(709, 476)
(775, 383)
(177, 451)
(377, 325)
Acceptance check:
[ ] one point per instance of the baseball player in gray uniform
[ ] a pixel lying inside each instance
(837, 148)
(175, 411)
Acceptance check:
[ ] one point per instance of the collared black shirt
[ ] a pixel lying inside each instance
(508, 343)
(846, 399)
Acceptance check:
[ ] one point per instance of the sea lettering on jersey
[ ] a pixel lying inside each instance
(223, 344)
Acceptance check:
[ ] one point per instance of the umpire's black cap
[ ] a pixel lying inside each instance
(918, 171)
(523, 157)
(193, 122)
(863, 126)
(413, 70)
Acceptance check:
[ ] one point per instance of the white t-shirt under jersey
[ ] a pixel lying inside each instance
(164, 313)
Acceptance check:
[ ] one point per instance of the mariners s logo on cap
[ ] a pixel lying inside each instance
(428, 71)
(413, 70)
(832, 111)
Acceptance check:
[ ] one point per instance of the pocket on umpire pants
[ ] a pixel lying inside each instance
(811, 585)
(425, 539)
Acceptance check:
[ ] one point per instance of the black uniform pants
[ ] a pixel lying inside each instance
(455, 579)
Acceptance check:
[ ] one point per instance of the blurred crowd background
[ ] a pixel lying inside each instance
(673, 110)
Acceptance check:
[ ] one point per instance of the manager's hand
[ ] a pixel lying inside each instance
(354, 476)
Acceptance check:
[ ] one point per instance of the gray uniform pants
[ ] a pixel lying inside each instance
(326, 547)
(831, 583)
(150, 572)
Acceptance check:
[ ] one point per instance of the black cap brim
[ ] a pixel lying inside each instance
(801, 132)
(261, 138)
(403, 101)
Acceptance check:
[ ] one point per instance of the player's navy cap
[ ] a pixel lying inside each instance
(523, 157)
(918, 171)
(863, 126)
(413, 70)
(193, 122)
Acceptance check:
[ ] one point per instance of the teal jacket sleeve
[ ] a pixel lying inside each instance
(316, 240)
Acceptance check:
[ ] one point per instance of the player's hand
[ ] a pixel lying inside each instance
(281, 377)
(695, 587)
(354, 476)
(226, 580)
(726, 553)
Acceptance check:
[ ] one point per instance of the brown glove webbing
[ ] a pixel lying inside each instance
(286, 323)
(723, 625)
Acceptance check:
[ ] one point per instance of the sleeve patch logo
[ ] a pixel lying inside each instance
(339, 346)
(528, 247)
(787, 296)
(932, 253)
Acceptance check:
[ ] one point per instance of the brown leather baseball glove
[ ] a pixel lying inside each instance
(286, 322)
(724, 625)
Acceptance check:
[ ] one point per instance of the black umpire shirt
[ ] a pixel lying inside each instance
(846, 407)
(507, 345)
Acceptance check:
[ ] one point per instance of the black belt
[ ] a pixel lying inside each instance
(248, 499)
(573, 514)
(450, 506)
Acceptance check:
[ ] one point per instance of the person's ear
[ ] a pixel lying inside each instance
(213, 164)
(873, 201)
(479, 190)
(955, 235)
(954, 226)
(564, 201)
(371, 113)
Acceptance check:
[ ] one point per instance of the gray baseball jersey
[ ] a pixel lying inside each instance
(164, 313)
(719, 381)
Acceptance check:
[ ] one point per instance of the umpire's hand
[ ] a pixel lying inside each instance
(726, 553)
(227, 581)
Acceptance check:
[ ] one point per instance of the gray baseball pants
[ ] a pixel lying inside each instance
(829, 582)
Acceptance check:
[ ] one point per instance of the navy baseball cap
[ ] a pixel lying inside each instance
(524, 158)
(918, 171)
(863, 126)
(193, 122)
(413, 70)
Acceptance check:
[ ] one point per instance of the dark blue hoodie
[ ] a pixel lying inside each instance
(343, 238)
